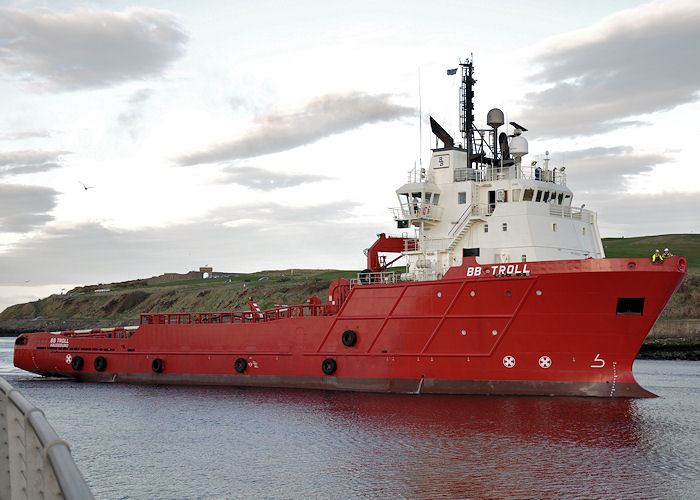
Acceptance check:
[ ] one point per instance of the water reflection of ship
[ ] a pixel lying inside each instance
(485, 447)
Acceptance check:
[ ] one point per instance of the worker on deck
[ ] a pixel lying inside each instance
(666, 254)
(657, 257)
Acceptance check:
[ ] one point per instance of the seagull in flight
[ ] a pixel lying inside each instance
(86, 187)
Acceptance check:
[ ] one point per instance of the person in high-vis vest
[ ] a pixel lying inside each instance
(657, 257)
(666, 254)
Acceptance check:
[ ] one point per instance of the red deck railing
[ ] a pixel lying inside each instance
(106, 333)
(280, 312)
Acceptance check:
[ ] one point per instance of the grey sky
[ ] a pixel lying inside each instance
(265, 231)
(87, 48)
(634, 63)
(275, 131)
(204, 130)
(26, 134)
(133, 111)
(29, 161)
(607, 169)
(264, 179)
(657, 212)
(23, 208)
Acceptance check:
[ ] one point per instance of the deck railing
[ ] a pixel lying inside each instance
(34, 461)
(370, 278)
(276, 313)
(566, 212)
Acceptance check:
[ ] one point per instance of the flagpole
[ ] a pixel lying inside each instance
(420, 124)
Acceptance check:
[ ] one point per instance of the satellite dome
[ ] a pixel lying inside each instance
(518, 146)
(495, 118)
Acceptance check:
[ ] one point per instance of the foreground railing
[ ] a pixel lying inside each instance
(34, 461)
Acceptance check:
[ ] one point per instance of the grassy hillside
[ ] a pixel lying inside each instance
(125, 301)
(644, 246)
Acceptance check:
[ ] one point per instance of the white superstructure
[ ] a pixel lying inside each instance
(492, 207)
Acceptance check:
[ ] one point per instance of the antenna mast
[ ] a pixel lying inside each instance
(466, 105)
(420, 123)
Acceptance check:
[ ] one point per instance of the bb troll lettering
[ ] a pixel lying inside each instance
(501, 269)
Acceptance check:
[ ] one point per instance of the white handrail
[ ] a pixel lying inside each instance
(34, 461)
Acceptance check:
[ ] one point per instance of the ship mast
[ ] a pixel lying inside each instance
(466, 106)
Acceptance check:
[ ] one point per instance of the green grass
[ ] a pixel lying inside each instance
(644, 246)
(331, 275)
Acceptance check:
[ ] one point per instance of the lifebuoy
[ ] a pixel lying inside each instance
(100, 363)
(240, 365)
(77, 363)
(329, 366)
(157, 365)
(349, 338)
(426, 210)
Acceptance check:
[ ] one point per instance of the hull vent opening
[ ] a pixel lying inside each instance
(630, 305)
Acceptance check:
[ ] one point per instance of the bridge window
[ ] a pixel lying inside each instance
(567, 200)
(561, 197)
(436, 197)
(516, 195)
(462, 198)
(539, 196)
(527, 194)
(546, 196)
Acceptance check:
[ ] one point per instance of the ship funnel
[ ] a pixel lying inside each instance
(495, 118)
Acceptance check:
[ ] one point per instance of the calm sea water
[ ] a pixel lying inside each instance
(201, 442)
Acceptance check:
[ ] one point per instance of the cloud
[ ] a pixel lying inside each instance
(267, 180)
(27, 134)
(280, 237)
(665, 213)
(86, 48)
(129, 118)
(632, 63)
(276, 131)
(29, 161)
(608, 169)
(24, 208)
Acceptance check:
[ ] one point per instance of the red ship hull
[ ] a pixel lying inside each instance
(547, 328)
